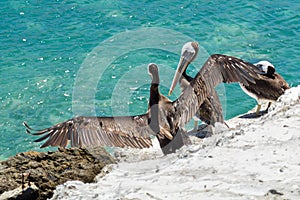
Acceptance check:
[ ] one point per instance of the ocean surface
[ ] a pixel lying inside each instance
(60, 59)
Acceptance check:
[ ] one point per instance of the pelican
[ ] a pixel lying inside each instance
(218, 68)
(170, 136)
(165, 119)
(210, 110)
(123, 131)
(268, 87)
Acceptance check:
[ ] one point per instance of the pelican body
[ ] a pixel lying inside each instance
(210, 110)
(121, 131)
(218, 68)
(165, 119)
(268, 87)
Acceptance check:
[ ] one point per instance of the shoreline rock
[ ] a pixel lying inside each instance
(40, 172)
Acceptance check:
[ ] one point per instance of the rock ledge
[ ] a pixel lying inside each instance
(42, 172)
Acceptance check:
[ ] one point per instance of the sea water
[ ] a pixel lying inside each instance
(60, 59)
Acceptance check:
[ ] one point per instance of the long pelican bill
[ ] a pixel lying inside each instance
(188, 54)
(180, 68)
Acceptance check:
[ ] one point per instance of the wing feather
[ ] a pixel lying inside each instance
(74, 137)
(43, 137)
(56, 137)
(98, 131)
(228, 69)
(186, 106)
(217, 69)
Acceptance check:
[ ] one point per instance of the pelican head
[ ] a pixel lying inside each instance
(153, 72)
(265, 66)
(188, 54)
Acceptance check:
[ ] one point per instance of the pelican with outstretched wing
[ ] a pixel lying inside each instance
(165, 119)
(210, 110)
(123, 131)
(217, 69)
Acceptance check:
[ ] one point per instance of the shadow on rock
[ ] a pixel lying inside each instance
(253, 115)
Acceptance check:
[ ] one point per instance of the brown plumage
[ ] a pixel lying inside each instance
(97, 131)
(165, 119)
(126, 131)
(217, 69)
(210, 110)
(231, 70)
(269, 85)
(161, 116)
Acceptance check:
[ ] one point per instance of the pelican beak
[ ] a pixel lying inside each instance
(186, 58)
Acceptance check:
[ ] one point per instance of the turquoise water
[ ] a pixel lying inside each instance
(53, 53)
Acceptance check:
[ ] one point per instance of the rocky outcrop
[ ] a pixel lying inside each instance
(36, 174)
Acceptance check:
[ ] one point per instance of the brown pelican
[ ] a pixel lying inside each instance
(268, 87)
(170, 137)
(210, 110)
(165, 118)
(218, 68)
(127, 131)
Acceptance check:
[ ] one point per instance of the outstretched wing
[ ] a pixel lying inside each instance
(129, 131)
(221, 68)
(217, 69)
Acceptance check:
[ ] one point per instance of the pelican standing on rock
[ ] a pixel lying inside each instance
(268, 87)
(170, 137)
(217, 69)
(123, 131)
(165, 119)
(210, 110)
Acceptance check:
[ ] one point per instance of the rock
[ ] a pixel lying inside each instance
(20, 174)
(30, 193)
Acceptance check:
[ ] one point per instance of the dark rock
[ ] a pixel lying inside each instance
(275, 192)
(30, 193)
(47, 170)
